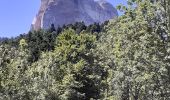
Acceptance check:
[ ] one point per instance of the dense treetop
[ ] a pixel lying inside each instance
(127, 58)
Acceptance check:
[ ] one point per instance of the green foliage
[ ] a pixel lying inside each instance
(139, 52)
(123, 59)
(23, 44)
(71, 69)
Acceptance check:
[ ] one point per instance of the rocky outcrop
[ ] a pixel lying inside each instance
(60, 12)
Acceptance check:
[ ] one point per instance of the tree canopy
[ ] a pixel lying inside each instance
(127, 58)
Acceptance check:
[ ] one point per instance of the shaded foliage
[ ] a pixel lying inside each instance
(127, 58)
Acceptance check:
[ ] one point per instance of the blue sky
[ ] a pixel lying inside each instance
(17, 15)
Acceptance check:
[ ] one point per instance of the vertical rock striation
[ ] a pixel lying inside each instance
(60, 12)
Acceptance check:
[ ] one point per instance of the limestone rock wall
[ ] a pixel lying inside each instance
(60, 12)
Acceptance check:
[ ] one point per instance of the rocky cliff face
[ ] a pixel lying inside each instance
(60, 12)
